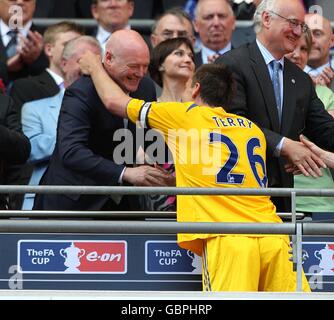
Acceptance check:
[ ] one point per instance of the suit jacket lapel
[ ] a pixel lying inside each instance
(48, 83)
(198, 59)
(289, 97)
(54, 106)
(261, 72)
(3, 56)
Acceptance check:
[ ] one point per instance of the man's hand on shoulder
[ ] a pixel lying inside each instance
(146, 176)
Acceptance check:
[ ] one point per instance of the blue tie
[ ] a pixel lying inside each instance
(276, 66)
(11, 46)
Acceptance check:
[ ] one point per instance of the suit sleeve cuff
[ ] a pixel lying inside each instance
(278, 148)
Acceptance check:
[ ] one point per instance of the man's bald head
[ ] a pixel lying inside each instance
(322, 39)
(126, 40)
(126, 58)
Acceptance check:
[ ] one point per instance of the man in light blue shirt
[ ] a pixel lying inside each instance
(318, 66)
(39, 117)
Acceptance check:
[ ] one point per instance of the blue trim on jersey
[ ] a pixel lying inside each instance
(192, 106)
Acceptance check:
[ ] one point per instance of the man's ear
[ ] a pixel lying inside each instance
(266, 19)
(62, 64)
(332, 40)
(108, 58)
(154, 40)
(47, 49)
(196, 90)
(93, 10)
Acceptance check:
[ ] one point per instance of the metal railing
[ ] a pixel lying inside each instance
(294, 228)
(137, 24)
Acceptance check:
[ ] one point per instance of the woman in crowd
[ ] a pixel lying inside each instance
(172, 67)
(313, 204)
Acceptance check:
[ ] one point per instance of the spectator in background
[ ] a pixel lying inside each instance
(14, 146)
(21, 45)
(318, 65)
(313, 205)
(50, 80)
(244, 9)
(111, 15)
(172, 67)
(46, 84)
(278, 96)
(214, 22)
(171, 24)
(86, 147)
(40, 117)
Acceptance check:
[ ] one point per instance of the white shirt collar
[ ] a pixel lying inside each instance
(5, 28)
(57, 78)
(315, 72)
(206, 52)
(103, 35)
(240, 1)
(267, 56)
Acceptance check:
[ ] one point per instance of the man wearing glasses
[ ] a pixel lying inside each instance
(278, 96)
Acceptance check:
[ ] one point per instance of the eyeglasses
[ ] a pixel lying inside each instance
(293, 23)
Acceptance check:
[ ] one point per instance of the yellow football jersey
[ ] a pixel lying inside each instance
(211, 148)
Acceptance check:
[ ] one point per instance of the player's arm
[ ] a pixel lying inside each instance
(112, 96)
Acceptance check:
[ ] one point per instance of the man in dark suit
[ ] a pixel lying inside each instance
(214, 22)
(14, 146)
(21, 45)
(289, 108)
(46, 84)
(86, 148)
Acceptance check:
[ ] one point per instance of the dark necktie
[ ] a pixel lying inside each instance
(11, 46)
(276, 66)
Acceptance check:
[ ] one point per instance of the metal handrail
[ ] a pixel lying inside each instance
(294, 228)
(106, 214)
(102, 190)
(139, 24)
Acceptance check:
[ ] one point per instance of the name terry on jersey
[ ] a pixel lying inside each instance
(232, 122)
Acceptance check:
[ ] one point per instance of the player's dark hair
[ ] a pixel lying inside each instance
(217, 84)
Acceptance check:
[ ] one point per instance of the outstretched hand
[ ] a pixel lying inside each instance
(326, 156)
(301, 158)
(146, 176)
(89, 62)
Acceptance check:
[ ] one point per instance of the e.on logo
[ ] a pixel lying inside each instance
(102, 256)
(72, 256)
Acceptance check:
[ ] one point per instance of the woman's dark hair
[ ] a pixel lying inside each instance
(160, 53)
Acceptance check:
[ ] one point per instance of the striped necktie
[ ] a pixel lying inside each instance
(11, 46)
(276, 66)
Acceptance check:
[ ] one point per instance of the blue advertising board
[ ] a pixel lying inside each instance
(125, 262)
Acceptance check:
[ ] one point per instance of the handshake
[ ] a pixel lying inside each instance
(306, 158)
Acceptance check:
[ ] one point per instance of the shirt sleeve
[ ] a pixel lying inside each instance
(158, 115)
